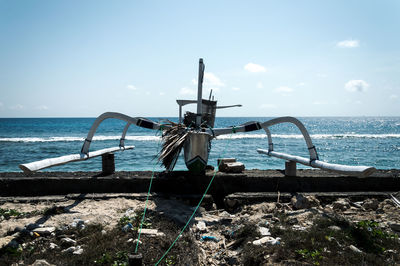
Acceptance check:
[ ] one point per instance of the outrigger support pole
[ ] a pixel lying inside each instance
(200, 93)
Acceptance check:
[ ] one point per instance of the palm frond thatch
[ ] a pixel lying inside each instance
(173, 138)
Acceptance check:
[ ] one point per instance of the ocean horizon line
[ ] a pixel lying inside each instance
(329, 116)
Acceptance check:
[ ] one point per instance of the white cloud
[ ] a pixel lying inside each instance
(392, 97)
(212, 80)
(187, 91)
(162, 93)
(322, 75)
(356, 85)
(284, 89)
(42, 107)
(260, 85)
(131, 87)
(251, 67)
(348, 44)
(17, 107)
(267, 106)
(301, 84)
(236, 89)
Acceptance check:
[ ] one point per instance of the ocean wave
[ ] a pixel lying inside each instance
(221, 137)
(313, 136)
(69, 139)
(35, 139)
(360, 136)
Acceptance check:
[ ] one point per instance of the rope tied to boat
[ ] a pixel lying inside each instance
(191, 217)
(146, 203)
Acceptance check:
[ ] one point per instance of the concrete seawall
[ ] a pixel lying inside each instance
(182, 182)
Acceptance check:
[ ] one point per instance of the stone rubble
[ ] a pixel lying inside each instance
(66, 241)
(201, 226)
(355, 249)
(264, 231)
(267, 240)
(224, 225)
(53, 246)
(152, 232)
(41, 263)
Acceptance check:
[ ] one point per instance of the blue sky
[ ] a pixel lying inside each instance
(298, 58)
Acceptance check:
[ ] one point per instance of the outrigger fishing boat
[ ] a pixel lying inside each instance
(194, 133)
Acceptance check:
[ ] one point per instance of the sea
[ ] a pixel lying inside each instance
(369, 141)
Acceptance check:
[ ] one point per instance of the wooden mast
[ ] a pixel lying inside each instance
(200, 93)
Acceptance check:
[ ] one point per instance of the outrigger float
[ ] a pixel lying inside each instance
(194, 134)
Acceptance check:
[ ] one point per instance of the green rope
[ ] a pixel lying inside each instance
(144, 212)
(147, 199)
(198, 205)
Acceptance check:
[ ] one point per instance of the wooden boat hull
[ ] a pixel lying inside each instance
(196, 149)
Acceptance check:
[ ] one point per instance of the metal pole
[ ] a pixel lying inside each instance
(200, 93)
(180, 114)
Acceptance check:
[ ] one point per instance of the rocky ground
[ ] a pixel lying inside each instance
(104, 231)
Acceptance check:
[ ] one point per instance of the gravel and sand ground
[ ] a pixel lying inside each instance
(104, 231)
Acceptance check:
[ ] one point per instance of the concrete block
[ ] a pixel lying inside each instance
(108, 163)
(290, 168)
(225, 160)
(235, 167)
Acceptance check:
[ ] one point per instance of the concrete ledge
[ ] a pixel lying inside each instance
(182, 182)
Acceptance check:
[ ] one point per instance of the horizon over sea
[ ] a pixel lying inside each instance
(363, 140)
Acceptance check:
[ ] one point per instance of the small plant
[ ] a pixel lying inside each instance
(146, 223)
(170, 260)
(135, 220)
(7, 213)
(373, 228)
(124, 220)
(303, 252)
(370, 237)
(11, 251)
(105, 259)
(315, 255)
(121, 259)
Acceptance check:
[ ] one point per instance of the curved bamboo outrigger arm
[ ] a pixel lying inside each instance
(84, 154)
(122, 139)
(251, 126)
(360, 171)
(313, 161)
(288, 119)
(139, 121)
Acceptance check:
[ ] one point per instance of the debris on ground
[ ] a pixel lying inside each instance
(304, 230)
